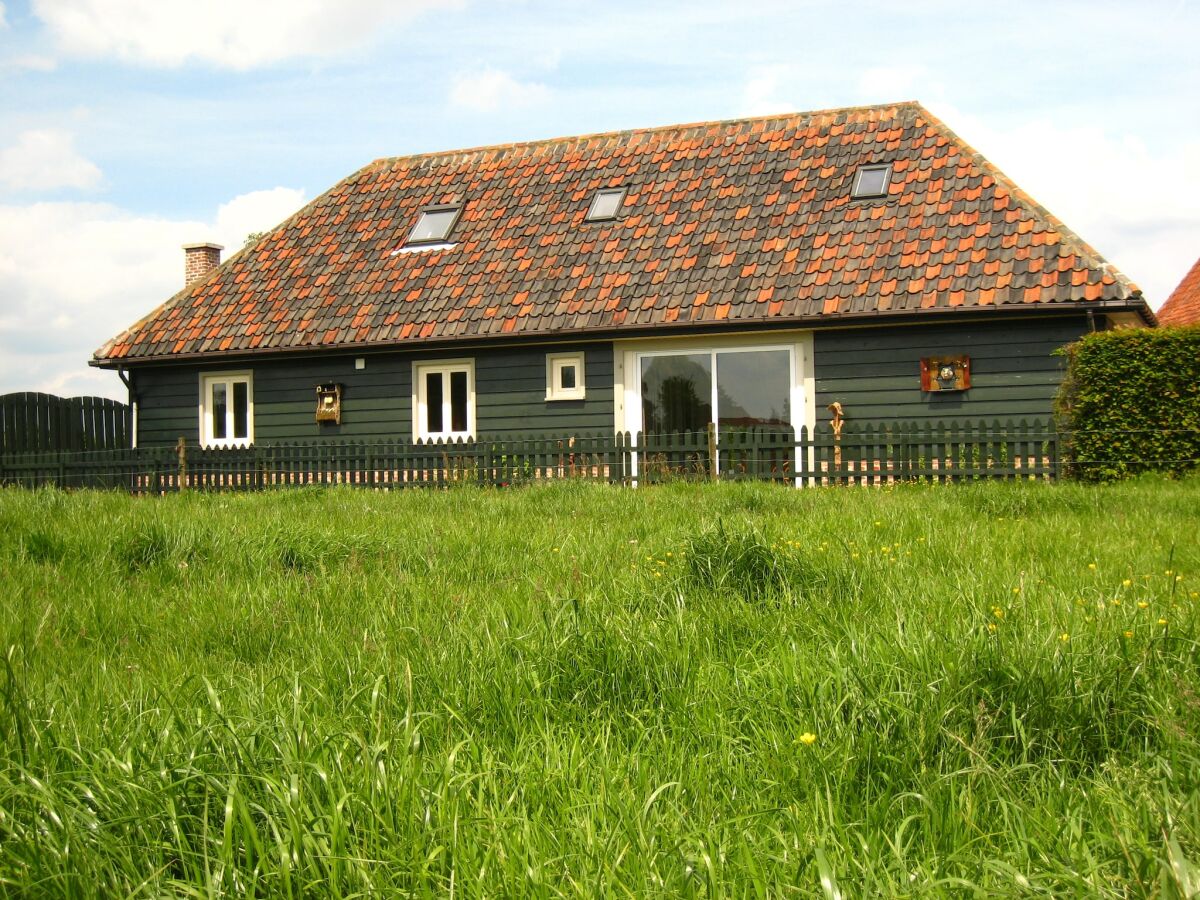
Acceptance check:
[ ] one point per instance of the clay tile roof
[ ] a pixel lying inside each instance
(739, 222)
(1183, 306)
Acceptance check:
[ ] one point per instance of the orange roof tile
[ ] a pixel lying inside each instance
(716, 214)
(1183, 306)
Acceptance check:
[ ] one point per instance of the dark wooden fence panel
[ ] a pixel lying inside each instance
(862, 454)
(32, 422)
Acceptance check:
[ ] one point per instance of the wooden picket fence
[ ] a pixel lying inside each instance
(863, 454)
(33, 422)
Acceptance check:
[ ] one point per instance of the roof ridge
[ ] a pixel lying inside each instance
(1078, 244)
(655, 129)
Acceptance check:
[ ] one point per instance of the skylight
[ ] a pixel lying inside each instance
(434, 225)
(871, 181)
(605, 204)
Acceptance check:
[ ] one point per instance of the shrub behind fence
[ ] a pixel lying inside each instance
(1131, 402)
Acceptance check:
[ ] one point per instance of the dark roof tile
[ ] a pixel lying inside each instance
(746, 221)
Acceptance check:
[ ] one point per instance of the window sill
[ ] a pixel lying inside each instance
(558, 398)
(424, 248)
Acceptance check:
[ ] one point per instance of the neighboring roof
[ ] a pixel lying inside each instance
(746, 221)
(1183, 306)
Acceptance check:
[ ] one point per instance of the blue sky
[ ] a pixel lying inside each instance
(130, 126)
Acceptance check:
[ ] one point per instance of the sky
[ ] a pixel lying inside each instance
(130, 127)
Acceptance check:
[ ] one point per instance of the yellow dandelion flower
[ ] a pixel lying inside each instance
(1116, 602)
(1142, 604)
(1129, 634)
(1064, 637)
(1162, 621)
(1016, 590)
(1169, 572)
(1179, 578)
(1091, 565)
(1194, 594)
(555, 549)
(670, 553)
(878, 524)
(808, 739)
(1127, 582)
(991, 626)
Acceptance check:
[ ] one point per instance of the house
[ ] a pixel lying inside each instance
(747, 272)
(1183, 306)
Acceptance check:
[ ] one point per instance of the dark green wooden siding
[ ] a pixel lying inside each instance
(510, 388)
(875, 373)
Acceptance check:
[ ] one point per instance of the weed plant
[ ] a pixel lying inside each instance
(574, 690)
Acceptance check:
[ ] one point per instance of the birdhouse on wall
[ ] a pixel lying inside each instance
(945, 373)
(329, 403)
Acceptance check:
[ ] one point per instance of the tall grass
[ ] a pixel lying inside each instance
(693, 690)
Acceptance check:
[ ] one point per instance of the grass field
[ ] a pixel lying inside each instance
(693, 690)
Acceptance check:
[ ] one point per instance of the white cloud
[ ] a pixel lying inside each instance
(28, 62)
(226, 33)
(761, 94)
(3, 20)
(254, 212)
(73, 275)
(43, 160)
(885, 84)
(493, 89)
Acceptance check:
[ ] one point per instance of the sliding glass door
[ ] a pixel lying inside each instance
(735, 388)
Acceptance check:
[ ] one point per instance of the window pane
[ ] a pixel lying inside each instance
(458, 401)
(566, 378)
(219, 409)
(754, 388)
(606, 203)
(433, 402)
(871, 181)
(433, 225)
(241, 409)
(676, 393)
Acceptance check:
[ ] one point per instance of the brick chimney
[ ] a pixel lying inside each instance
(199, 260)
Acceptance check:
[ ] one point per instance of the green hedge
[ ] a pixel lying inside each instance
(1130, 402)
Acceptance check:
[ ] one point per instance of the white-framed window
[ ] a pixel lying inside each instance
(444, 399)
(434, 224)
(564, 376)
(606, 204)
(227, 409)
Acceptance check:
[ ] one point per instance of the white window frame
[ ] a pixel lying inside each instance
(594, 216)
(419, 405)
(555, 362)
(207, 380)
